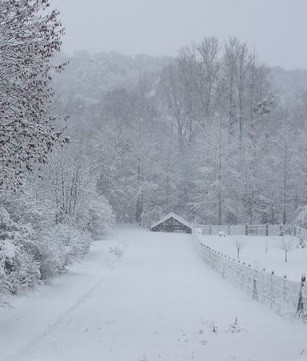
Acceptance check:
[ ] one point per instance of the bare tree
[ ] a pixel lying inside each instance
(175, 93)
(287, 244)
(209, 68)
(239, 243)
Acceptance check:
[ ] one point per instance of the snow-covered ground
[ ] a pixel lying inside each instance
(263, 252)
(150, 298)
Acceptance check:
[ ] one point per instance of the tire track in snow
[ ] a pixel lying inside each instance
(113, 263)
(21, 354)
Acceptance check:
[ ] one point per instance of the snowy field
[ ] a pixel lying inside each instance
(263, 252)
(142, 296)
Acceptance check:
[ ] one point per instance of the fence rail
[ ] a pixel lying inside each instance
(287, 298)
(254, 229)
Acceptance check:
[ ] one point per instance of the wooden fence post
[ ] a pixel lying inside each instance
(272, 288)
(281, 232)
(210, 230)
(284, 287)
(255, 291)
(300, 306)
(246, 230)
(267, 229)
(228, 229)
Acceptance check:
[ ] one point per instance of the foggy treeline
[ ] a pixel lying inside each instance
(99, 150)
(214, 134)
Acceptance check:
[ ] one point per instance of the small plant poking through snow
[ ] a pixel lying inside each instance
(214, 328)
(234, 327)
(116, 251)
(115, 255)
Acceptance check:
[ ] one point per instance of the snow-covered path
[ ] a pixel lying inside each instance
(157, 301)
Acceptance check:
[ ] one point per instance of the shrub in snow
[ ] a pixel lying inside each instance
(98, 217)
(60, 246)
(213, 328)
(34, 245)
(25, 208)
(116, 251)
(18, 268)
(301, 219)
(234, 327)
(115, 255)
(29, 255)
(302, 242)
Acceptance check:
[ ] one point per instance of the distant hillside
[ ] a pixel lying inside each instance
(289, 84)
(88, 77)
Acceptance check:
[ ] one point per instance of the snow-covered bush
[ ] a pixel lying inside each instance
(58, 247)
(301, 219)
(49, 223)
(98, 217)
(30, 254)
(18, 268)
(24, 208)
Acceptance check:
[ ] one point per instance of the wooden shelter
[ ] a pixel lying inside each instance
(172, 223)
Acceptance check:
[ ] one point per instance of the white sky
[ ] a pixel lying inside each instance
(276, 28)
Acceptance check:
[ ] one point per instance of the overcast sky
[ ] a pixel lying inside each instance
(276, 28)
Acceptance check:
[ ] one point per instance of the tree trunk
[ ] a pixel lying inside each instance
(285, 171)
(220, 175)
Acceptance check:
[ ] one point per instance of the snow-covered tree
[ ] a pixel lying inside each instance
(30, 35)
(287, 244)
(202, 136)
(239, 244)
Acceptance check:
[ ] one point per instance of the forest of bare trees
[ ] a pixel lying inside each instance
(213, 134)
